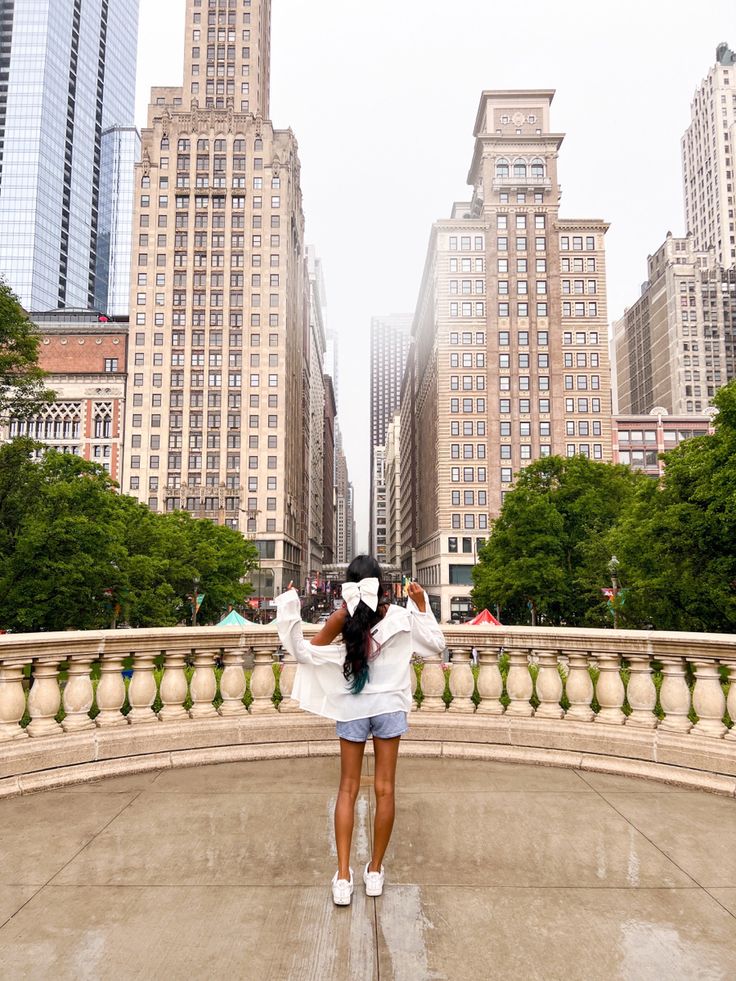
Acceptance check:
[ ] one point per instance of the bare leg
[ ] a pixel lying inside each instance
(351, 763)
(386, 753)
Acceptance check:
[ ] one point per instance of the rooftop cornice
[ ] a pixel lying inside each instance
(570, 224)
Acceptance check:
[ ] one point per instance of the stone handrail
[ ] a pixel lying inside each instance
(549, 695)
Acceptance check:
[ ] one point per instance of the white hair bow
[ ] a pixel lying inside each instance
(365, 590)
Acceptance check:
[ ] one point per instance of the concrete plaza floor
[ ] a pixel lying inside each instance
(495, 871)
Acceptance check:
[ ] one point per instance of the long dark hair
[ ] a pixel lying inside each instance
(356, 631)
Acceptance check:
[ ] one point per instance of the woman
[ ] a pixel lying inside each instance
(364, 684)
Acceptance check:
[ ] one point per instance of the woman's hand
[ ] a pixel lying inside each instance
(416, 593)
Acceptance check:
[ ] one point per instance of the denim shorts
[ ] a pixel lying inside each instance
(386, 726)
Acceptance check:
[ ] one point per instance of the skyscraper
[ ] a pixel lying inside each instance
(219, 318)
(509, 361)
(344, 509)
(676, 345)
(314, 436)
(121, 149)
(390, 338)
(708, 161)
(67, 74)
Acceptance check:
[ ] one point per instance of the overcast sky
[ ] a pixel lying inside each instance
(382, 97)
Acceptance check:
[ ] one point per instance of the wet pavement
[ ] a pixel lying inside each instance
(495, 871)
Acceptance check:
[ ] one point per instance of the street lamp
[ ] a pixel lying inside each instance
(252, 515)
(195, 600)
(613, 572)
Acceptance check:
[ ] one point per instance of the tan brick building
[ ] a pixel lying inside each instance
(219, 319)
(510, 356)
(85, 355)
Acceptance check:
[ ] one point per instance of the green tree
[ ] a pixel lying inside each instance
(22, 390)
(182, 550)
(67, 546)
(547, 554)
(677, 543)
(76, 554)
(521, 564)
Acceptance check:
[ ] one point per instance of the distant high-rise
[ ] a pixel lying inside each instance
(708, 161)
(344, 508)
(392, 481)
(67, 74)
(390, 339)
(315, 417)
(121, 149)
(219, 338)
(676, 345)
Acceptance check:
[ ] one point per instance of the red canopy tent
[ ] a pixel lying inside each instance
(484, 617)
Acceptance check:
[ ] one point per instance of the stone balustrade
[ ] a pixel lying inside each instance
(82, 704)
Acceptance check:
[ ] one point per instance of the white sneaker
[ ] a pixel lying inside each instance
(373, 881)
(342, 890)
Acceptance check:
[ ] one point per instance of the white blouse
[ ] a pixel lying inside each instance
(319, 685)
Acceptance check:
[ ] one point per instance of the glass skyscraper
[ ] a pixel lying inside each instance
(121, 148)
(67, 76)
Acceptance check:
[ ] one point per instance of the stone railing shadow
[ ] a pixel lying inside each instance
(81, 705)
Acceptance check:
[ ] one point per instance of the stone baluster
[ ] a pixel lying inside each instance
(262, 681)
(12, 703)
(490, 682)
(142, 688)
(111, 692)
(203, 686)
(44, 699)
(709, 701)
(519, 685)
(433, 685)
(232, 685)
(641, 693)
(286, 684)
(462, 682)
(610, 690)
(414, 685)
(579, 688)
(549, 687)
(78, 696)
(731, 702)
(674, 695)
(173, 688)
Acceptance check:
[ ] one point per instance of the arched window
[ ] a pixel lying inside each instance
(103, 420)
(502, 168)
(537, 168)
(520, 168)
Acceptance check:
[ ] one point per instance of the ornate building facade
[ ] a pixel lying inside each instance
(218, 298)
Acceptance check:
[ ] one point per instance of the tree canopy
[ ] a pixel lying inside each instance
(545, 556)
(22, 390)
(548, 552)
(76, 554)
(677, 543)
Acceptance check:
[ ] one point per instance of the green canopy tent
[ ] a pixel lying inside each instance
(234, 619)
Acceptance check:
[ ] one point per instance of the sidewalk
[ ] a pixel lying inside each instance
(495, 871)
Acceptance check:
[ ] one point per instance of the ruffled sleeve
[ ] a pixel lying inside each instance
(426, 636)
(289, 626)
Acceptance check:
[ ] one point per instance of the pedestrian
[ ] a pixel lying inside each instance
(357, 672)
